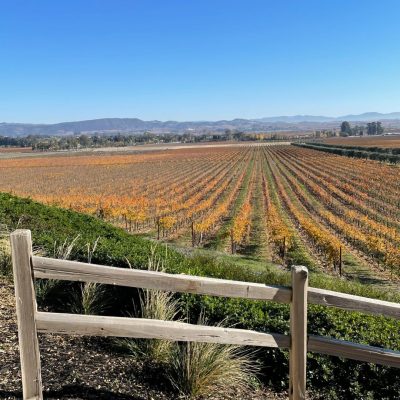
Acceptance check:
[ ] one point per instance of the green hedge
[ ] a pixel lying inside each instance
(373, 149)
(355, 151)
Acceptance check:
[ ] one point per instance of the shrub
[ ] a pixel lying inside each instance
(46, 291)
(5, 251)
(349, 379)
(5, 256)
(372, 153)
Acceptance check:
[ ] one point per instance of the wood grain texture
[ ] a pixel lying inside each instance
(93, 325)
(354, 351)
(298, 334)
(21, 248)
(74, 324)
(353, 303)
(48, 268)
(77, 271)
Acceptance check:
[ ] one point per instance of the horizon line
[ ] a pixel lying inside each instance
(207, 120)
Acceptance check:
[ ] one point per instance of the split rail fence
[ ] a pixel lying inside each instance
(27, 267)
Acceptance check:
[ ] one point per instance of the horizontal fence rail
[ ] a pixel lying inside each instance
(353, 351)
(351, 302)
(141, 328)
(49, 268)
(30, 321)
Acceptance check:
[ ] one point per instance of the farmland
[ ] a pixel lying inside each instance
(275, 204)
(271, 206)
(388, 141)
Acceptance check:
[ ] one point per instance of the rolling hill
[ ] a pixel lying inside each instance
(136, 125)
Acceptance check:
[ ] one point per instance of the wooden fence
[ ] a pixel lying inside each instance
(26, 267)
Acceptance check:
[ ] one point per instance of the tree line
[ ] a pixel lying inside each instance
(78, 140)
(372, 128)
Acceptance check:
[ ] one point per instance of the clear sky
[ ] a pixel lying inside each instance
(63, 60)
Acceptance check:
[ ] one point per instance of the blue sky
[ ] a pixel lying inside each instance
(196, 60)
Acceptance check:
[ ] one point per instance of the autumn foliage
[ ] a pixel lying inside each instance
(322, 201)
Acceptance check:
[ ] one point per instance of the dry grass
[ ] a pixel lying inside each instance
(203, 369)
(45, 288)
(154, 304)
(63, 250)
(93, 299)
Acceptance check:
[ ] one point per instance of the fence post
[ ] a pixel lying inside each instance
(298, 334)
(21, 247)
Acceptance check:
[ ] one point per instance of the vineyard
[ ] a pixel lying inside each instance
(389, 141)
(280, 204)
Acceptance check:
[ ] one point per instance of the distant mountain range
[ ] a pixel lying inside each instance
(135, 125)
(369, 116)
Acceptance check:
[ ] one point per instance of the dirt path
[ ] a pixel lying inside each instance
(258, 246)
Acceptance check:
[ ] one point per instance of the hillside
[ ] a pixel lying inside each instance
(110, 125)
(329, 377)
(135, 125)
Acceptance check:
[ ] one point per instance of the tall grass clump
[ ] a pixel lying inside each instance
(46, 289)
(92, 299)
(64, 250)
(159, 305)
(153, 304)
(202, 369)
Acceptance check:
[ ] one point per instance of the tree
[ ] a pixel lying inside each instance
(379, 128)
(228, 134)
(371, 128)
(84, 140)
(358, 130)
(345, 129)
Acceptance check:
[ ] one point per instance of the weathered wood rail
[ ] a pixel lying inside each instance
(27, 267)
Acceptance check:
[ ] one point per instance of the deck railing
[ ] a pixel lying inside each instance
(27, 267)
